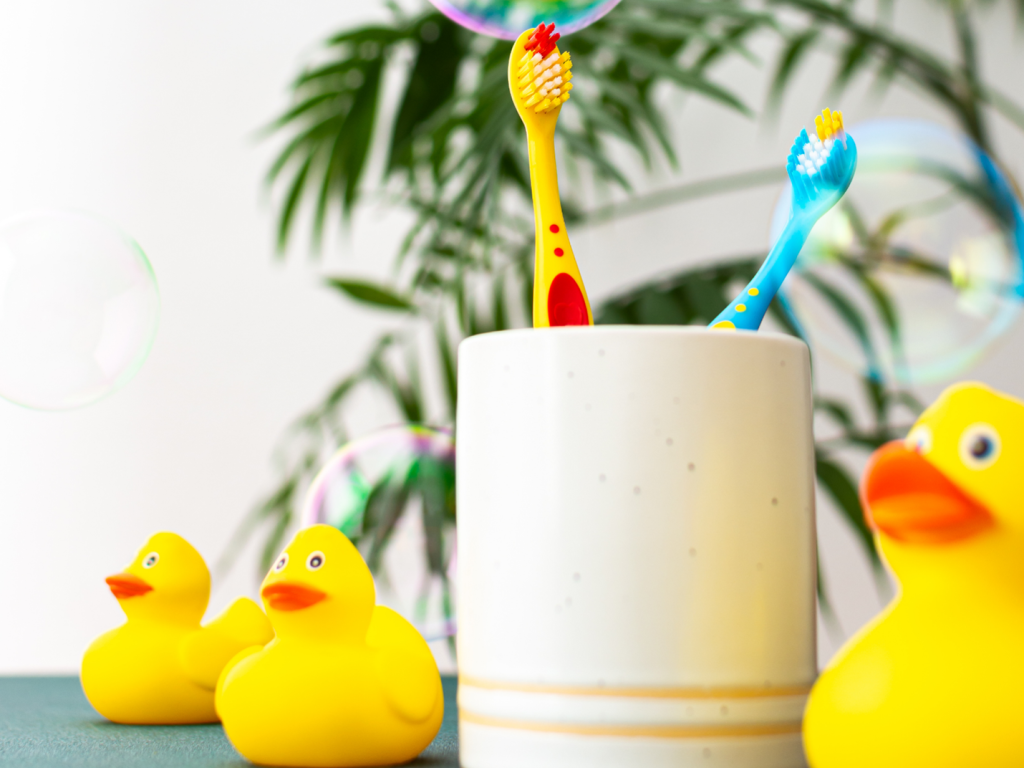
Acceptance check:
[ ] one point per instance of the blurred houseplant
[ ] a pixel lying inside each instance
(456, 159)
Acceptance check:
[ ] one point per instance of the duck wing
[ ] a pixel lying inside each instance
(404, 666)
(204, 653)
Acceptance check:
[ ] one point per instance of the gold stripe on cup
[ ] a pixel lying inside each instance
(643, 731)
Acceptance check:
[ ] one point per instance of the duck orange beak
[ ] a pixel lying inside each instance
(125, 585)
(905, 497)
(291, 596)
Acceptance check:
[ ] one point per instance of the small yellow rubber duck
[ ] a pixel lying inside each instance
(161, 666)
(345, 682)
(936, 680)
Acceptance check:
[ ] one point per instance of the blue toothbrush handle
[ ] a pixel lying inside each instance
(749, 308)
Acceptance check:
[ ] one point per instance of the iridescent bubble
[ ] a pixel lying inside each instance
(78, 309)
(339, 494)
(928, 241)
(507, 19)
(382, 474)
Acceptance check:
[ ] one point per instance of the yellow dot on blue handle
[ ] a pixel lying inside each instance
(753, 291)
(741, 307)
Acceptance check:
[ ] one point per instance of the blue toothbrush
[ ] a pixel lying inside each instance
(820, 169)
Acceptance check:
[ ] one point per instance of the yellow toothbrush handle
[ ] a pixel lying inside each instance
(559, 297)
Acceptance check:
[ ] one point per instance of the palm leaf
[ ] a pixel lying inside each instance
(371, 293)
(854, 58)
(836, 481)
(789, 60)
(430, 86)
(384, 508)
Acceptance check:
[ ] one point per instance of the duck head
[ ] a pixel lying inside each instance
(319, 589)
(168, 579)
(954, 485)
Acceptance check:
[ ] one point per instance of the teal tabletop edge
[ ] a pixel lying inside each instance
(47, 722)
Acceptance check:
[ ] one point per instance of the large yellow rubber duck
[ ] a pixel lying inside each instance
(345, 682)
(937, 680)
(161, 666)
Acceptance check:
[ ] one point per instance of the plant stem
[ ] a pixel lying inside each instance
(695, 189)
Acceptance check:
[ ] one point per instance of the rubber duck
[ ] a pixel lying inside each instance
(345, 682)
(161, 666)
(936, 680)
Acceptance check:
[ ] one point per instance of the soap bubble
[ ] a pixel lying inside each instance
(78, 309)
(365, 488)
(338, 495)
(371, 481)
(507, 19)
(929, 222)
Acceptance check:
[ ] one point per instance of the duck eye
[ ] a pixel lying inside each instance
(920, 440)
(315, 561)
(979, 446)
(282, 561)
(150, 560)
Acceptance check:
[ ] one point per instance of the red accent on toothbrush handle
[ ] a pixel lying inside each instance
(565, 302)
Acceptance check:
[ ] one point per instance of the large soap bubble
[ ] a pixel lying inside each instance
(367, 486)
(403, 455)
(78, 309)
(925, 243)
(507, 19)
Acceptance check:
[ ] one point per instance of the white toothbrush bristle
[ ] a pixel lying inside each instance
(815, 154)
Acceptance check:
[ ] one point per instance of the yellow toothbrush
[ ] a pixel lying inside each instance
(538, 77)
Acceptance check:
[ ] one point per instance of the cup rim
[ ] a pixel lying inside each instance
(606, 331)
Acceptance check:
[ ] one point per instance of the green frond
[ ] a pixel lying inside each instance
(455, 157)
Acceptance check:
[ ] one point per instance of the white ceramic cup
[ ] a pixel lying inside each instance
(636, 548)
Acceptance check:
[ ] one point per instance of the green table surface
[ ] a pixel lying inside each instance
(46, 721)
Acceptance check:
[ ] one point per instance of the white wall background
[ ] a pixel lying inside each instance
(145, 113)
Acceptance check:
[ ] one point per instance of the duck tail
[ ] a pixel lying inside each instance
(205, 652)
